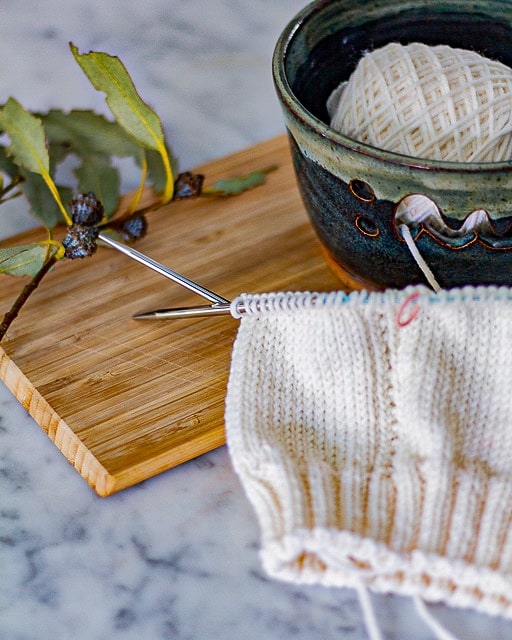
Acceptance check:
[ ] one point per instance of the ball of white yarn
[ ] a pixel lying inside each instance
(436, 102)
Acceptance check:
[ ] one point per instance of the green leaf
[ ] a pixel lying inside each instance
(84, 132)
(42, 203)
(94, 140)
(28, 142)
(24, 260)
(28, 145)
(236, 184)
(98, 175)
(108, 74)
(7, 166)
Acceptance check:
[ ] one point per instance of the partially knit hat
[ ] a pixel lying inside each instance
(373, 435)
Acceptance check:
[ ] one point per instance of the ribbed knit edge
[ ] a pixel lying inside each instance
(294, 503)
(336, 558)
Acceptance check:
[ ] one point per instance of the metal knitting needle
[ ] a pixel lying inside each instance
(186, 312)
(220, 304)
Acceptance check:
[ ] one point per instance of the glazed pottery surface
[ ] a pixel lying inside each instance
(351, 190)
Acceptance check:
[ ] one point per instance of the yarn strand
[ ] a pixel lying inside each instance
(428, 618)
(370, 620)
(420, 261)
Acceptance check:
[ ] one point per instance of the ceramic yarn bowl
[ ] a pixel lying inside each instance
(351, 190)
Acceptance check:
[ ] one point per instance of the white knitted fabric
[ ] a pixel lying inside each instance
(428, 102)
(377, 450)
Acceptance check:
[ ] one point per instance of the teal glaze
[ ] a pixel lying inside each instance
(320, 48)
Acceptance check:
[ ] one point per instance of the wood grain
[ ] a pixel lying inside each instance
(124, 400)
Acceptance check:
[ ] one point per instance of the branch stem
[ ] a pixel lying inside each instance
(27, 290)
(9, 187)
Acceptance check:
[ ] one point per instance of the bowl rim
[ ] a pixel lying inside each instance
(320, 128)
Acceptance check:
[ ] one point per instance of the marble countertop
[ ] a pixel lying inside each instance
(176, 556)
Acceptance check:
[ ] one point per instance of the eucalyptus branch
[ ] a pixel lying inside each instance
(27, 290)
(38, 143)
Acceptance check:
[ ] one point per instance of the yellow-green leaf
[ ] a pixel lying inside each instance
(42, 203)
(236, 184)
(24, 260)
(28, 144)
(84, 133)
(108, 74)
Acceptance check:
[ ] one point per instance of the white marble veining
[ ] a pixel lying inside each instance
(176, 556)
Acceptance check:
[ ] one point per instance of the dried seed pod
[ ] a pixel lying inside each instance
(134, 227)
(80, 241)
(86, 209)
(188, 185)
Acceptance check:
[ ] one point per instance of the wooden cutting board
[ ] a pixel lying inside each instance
(122, 399)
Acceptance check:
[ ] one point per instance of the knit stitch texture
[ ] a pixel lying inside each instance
(379, 451)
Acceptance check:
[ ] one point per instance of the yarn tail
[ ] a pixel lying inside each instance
(420, 261)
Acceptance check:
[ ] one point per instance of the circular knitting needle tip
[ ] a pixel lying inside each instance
(185, 312)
